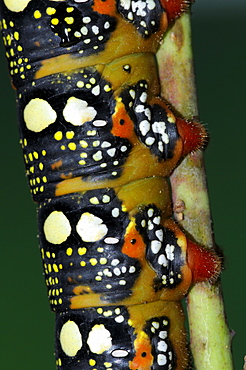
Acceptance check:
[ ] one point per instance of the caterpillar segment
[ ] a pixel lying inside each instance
(99, 144)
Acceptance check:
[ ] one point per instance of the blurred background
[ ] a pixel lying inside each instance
(26, 323)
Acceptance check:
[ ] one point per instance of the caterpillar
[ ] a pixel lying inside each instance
(99, 144)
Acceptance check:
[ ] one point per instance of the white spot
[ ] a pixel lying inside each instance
(86, 20)
(155, 246)
(159, 234)
(144, 127)
(138, 8)
(119, 353)
(132, 94)
(151, 5)
(115, 262)
(169, 251)
(156, 324)
(106, 25)
(123, 148)
(160, 128)
(150, 212)
(115, 212)
(132, 269)
(99, 339)
(111, 152)
(157, 220)
(139, 108)
(163, 334)
(111, 240)
(161, 359)
(57, 227)
(91, 228)
(95, 30)
(97, 156)
(84, 30)
(117, 271)
(16, 5)
(126, 4)
(77, 111)
(162, 260)
(106, 144)
(38, 115)
(119, 319)
(70, 338)
(143, 97)
(150, 140)
(96, 90)
(162, 346)
(99, 123)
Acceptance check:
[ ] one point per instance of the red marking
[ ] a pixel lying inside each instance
(193, 134)
(174, 8)
(204, 264)
(104, 7)
(134, 245)
(122, 124)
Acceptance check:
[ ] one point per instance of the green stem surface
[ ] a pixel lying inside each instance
(209, 335)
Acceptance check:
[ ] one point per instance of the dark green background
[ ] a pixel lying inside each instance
(26, 327)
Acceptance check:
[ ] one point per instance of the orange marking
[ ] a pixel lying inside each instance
(56, 165)
(104, 7)
(82, 289)
(122, 124)
(134, 245)
(143, 358)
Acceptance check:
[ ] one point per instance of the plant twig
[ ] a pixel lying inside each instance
(209, 335)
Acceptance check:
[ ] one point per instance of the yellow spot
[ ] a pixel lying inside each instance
(80, 83)
(70, 9)
(16, 35)
(57, 227)
(82, 251)
(92, 362)
(69, 251)
(69, 134)
(82, 263)
(93, 261)
(82, 162)
(103, 261)
(58, 135)
(72, 146)
(30, 156)
(63, 147)
(37, 14)
(83, 144)
(69, 20)
(16, 6)
(38, 115)
(107, 88)
(54, 21)
(41, 166)
(70, 338)
(50, 11)
(94, 200)
(35, 154)
(55, 267)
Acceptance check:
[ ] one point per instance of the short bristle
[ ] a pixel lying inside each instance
(193, 134)
(174, 8)
(204, 264)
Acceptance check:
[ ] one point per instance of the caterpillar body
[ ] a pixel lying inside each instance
(99, 144)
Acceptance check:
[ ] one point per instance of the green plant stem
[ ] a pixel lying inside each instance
(209, 335)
